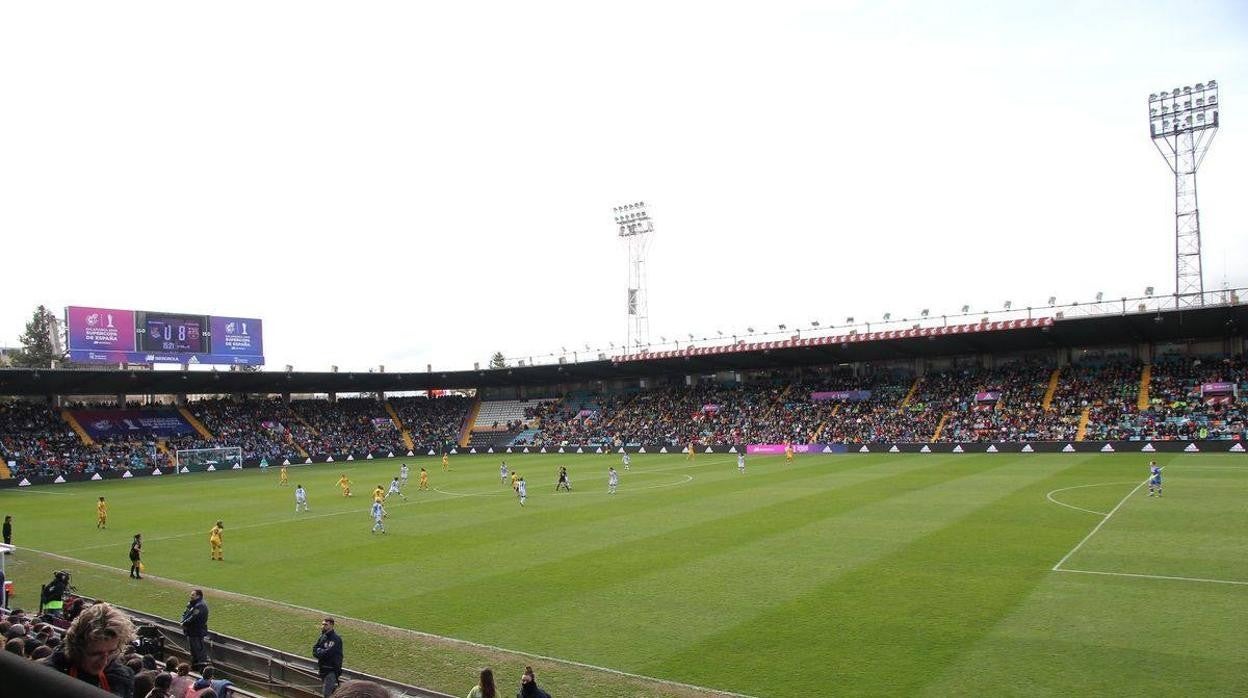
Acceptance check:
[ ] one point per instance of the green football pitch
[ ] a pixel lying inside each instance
(849, 574)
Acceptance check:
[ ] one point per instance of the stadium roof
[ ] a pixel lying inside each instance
(1195, 324)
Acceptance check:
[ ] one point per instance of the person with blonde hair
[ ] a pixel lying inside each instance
(91, 648)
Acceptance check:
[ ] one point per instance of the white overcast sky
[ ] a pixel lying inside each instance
(408, 183)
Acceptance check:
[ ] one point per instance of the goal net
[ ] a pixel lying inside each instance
(194, 459)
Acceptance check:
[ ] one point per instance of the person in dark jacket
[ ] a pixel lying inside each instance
(328, 653)
(528, 686)
(91, 648)
(195, 625)
(8, 532)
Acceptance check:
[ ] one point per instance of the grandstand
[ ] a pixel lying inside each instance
(1124, 377)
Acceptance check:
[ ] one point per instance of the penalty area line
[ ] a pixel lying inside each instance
(409, 631)
(1156, 576)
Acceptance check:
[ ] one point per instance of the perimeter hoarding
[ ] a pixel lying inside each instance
(109, 336)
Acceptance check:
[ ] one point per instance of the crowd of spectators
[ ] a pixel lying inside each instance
(39, 443)
(433, 423)
(60, 641)
(1001, 403)
(1011, 408)
(257, 426)
(347, 426)
(775, 408)
(1177, 406)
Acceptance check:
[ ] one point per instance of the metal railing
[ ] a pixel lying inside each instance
(270, 671)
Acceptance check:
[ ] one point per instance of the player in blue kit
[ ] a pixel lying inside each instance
(1154, 479)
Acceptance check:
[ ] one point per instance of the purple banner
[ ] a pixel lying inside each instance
(383, 423)
(1217, 388)
(107, 424)
(710, 408)
(990, 396)
(851, 395)
(100, 330)
(774, 449)
(237, 336)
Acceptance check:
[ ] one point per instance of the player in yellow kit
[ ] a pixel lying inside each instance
(282, 477)
(515, 481)
(101, 514)
(424, 479)
(788, 453)
(345, 485)
(214, 541)
(379, 493)
(690, 453)
(446, 462)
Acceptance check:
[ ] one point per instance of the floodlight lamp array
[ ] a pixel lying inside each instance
(632, 219)
(1182, 109)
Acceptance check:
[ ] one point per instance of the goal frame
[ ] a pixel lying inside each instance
(197, 459)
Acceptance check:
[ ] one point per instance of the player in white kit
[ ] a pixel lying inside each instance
(626, 461)
(522, 490)
(301, 499)
(502, 473)
(613, 480)
(403, 475)
(396, 489)
(741, 463)
(379, 515)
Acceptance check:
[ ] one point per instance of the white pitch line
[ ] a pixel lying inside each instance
(1157, 576)
(409, 631)
(1049, 496)
(1113, 511)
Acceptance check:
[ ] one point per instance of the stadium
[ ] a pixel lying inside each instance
(924, 511)
(1012, 497)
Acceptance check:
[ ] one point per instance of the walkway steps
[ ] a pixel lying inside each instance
(1047, 404)
(1083, 424)
(73, 424)
(1146, 381)
(398, 423)
(195, 423)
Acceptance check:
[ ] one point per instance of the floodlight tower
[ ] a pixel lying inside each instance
(1183, 122)
(635, 228)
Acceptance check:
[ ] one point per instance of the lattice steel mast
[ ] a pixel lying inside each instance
(1183, 123)
(635, 227)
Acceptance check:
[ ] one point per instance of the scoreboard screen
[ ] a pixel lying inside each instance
(173, 332)
(103, 335)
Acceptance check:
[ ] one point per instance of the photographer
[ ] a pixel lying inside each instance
(195, 625)
(52, 598)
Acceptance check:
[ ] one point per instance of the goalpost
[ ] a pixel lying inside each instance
(195, 459)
